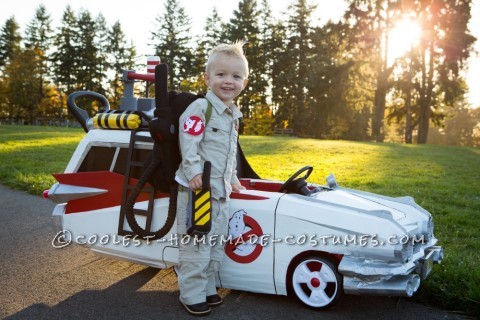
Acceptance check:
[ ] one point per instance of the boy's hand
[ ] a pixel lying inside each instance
(196, 182)
(237, 187)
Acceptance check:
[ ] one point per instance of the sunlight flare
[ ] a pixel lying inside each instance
(404, 36)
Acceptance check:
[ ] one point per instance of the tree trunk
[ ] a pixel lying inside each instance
(423, 122)
(426, 96)
(381, 91)
(379, 112)
(408, 106)
(408, 120)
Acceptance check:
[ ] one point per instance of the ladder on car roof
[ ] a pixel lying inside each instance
(133, 163)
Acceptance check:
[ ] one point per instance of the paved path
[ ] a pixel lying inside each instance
(40, 282)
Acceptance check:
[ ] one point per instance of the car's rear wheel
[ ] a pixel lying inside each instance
(316, 282)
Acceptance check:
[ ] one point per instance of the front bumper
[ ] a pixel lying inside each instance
(433, 255)
(368, 276)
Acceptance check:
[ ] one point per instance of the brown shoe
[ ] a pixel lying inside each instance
(214, 300)
(198, 309)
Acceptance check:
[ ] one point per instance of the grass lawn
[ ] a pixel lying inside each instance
(444, 180)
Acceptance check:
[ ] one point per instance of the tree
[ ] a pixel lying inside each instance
(445, 47)
(170, 41)
(370, 23)
(266, 52)
(120, 57)
(214, 32)
(39, 32)
(403, 107)
(261, 121)
(90, 73)
(51, 106)
(23, 94)
(338, 100)
(79, 64)
(64, 59)
(430, 80)
(290, 87)
(38, 39)
(460, 126)
(90, 61)
(5, 108)
(10, 40)
(244, 26)
(101, 42)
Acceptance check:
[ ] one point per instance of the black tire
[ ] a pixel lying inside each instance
(316, 283)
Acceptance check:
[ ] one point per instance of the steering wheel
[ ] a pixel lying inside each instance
(297, 185)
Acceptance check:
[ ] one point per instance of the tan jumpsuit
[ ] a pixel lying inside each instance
(217, 143)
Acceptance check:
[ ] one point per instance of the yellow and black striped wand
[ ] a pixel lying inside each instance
(202, 205)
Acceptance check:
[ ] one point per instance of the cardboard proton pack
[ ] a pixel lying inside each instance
(117, 196)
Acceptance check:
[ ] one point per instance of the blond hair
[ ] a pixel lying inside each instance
(233, 50)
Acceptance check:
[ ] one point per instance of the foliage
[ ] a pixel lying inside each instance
(170, 41)
(340, 104)
(261, 121)
(214, 32)
(462, 128)
(64, 61)
(120, 56)
(10, 39)
(22, 92)
(331, 81)
(369, 23)
(245, 26)
(444, 49)
(430, 79)
(90, 61)
(290, 70)
(38, 41)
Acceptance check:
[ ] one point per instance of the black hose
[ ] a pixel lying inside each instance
(160, 131)
(132, 198)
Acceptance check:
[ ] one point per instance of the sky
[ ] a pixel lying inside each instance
(138, 21)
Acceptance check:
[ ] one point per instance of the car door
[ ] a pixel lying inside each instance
(248, 264)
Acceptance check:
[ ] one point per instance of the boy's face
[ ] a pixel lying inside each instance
(226, 77)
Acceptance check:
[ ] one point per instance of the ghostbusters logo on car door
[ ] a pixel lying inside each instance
(243, 230)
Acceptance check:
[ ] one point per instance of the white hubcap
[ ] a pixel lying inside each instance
(314, 283)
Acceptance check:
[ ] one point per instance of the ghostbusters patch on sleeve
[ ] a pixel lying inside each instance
(193, 125)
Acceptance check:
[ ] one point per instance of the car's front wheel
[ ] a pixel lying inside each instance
(316, 282)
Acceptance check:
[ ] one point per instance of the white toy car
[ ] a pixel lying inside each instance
(316, 242)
